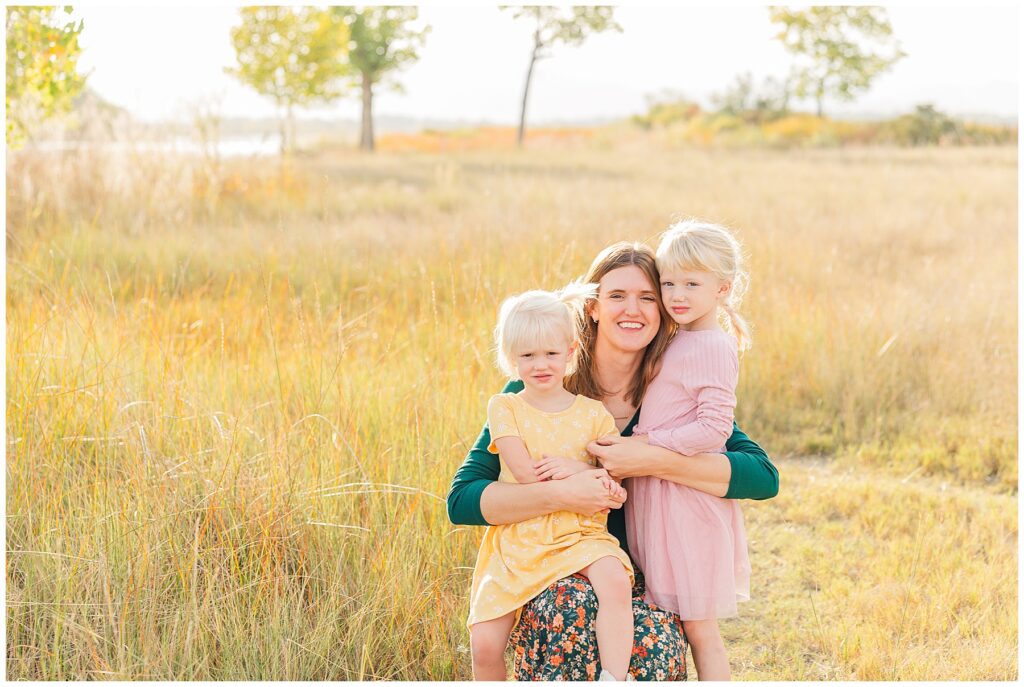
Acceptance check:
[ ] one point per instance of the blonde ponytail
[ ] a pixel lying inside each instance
(575, 295)
(737, 326)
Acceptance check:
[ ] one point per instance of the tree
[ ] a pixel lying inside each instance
(667, 108)
(380, 43)
(42, 67)
(736, 99)
(842, 48)
(553, 25)
(926, 125)
(754, 103)
(291, 55)
(772, 100)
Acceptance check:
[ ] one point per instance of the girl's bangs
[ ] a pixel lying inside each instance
(537, 332)
(685, 257)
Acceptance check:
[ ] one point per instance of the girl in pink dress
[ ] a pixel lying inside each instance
(691, 546)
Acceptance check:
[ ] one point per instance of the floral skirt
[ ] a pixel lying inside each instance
(555, 640)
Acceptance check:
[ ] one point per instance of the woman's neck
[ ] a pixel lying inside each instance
(615, 369)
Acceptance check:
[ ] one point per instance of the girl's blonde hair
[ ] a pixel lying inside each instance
(582, 380)
(539, 318)
(705, 247)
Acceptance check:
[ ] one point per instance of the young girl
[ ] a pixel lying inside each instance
(692, 546)
(536, 342)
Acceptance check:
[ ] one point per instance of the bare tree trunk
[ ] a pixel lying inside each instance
(366, 135)
(291, 128)
(526, 89)
(820, 96)
(284, 134)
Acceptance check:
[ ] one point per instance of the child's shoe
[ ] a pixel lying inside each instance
(605, 676)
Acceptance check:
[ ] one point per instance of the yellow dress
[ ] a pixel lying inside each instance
(518, 561)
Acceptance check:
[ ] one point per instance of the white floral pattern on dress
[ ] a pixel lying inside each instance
(518, 561)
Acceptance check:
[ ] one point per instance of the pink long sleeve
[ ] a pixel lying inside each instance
(692, 411)
(691, 546)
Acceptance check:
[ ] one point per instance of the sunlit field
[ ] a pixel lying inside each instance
(237, 393)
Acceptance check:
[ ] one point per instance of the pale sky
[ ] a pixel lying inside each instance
(156, 60)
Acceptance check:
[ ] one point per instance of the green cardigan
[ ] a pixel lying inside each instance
(753, 475)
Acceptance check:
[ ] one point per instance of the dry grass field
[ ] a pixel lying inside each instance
(236, 396)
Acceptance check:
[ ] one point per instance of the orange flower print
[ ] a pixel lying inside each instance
(581, 616)
(556, 641)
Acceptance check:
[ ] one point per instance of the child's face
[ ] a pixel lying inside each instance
(542, 368)
(692, 297)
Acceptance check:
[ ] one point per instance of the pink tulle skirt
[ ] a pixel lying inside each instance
(691, 547)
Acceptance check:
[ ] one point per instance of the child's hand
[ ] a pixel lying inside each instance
(556, 467)
(615, 490)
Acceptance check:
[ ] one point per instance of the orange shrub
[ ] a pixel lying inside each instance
(481, 138)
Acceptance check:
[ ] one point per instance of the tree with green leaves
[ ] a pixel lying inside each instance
(753, 102)
(382, 42)
(42, 67)
(925, 126)
(291, 55)
(841, 49)
(553, 25)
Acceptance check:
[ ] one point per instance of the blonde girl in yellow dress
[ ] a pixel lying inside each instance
(536, 342)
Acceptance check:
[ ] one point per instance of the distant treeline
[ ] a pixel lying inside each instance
(741, 118)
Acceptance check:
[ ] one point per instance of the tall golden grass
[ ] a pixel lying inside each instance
(236, 396)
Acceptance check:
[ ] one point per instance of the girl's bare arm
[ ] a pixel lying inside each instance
(517, 457)
(502, 503)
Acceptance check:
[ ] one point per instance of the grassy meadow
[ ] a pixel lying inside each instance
(237, 393)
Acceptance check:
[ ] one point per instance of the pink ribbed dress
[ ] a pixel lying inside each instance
(691, 546)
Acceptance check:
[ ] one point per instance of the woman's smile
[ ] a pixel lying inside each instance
(628, 303)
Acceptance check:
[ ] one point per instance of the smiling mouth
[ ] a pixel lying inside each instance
(631, 326)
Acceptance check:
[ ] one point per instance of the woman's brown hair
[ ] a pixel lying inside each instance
(582, 381)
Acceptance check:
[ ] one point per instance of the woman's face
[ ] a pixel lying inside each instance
(627, 310)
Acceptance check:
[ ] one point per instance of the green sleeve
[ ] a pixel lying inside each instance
(753, 475)
(479, 469)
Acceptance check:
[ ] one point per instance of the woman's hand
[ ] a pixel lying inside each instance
(588, 493)
(622, 457)
(556, 467)
(626, 457)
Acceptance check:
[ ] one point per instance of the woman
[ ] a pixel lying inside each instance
(625, 331)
